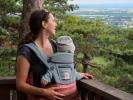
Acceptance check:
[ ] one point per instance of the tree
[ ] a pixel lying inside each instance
(9, 21)
(28, 7)
(9, 6)
(59, 7)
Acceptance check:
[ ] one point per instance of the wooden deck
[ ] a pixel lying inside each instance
(89, 90)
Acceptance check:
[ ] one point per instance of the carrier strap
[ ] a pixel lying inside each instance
(38, 53)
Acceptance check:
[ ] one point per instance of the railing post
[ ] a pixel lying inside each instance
(4, 94)
(90, 95)
(6, 85)
(84, 95)
(21, 96)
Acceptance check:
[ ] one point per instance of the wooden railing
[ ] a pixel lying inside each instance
(7, 88)
(95, 90)
(89, 89)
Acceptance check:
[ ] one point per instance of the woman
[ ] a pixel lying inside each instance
(29, 68)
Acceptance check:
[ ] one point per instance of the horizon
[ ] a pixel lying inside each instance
(103, 3)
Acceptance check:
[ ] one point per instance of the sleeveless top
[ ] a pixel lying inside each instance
(37, 68)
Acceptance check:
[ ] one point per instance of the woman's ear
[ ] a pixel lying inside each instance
(44, 25)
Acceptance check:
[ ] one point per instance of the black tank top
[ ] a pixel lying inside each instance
(36, 65)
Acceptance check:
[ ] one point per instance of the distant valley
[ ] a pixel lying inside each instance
(117, 17)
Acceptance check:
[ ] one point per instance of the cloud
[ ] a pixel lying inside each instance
(100, 1)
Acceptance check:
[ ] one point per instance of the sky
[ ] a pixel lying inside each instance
(100, 1)
(104, 3)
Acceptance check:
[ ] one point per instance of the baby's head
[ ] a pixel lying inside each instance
(65, 44)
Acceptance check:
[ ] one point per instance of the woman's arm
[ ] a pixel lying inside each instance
(23, 67)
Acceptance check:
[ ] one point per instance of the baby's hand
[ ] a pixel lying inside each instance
(43, 83)
(86, 76)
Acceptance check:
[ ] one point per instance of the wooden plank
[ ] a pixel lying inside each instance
(21, 96)
(84, 95)
(6, 84)
(90, 95)
(7, 80)
(97, 97)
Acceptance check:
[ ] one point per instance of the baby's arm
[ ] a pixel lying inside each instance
(80, 75)
(46, 78)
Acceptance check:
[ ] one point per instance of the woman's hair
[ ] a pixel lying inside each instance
(35, 24)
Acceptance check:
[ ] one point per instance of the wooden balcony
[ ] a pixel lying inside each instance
(89, 89)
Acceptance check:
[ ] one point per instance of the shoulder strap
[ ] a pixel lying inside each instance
(38, 53)
(54, 45)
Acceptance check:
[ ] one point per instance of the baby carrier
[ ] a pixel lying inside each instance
(60, 66)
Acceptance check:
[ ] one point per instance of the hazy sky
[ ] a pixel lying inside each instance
(100, 1)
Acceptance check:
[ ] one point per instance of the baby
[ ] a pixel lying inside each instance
(62, 72)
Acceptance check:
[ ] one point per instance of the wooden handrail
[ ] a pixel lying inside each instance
(7, 80)
(7, 84)
(95, 90)
(89, 89)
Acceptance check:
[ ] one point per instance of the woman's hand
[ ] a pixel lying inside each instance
(51, 94)
(86, 76)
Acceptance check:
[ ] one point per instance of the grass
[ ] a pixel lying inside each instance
(100, 61)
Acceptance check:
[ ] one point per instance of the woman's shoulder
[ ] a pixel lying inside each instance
(23, 48)
(25, 51)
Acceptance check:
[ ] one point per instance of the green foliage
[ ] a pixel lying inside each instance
(100, 60)
(7, 53)
(59, 7)
(10, 21)
(130, 36)
(8, 6)
(3, 31)
(110, 48)
(8, 39)
(4, 35)
(7, 61)
(117, 76)
(7, 67)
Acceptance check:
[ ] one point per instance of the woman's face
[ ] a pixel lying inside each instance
(50, 25)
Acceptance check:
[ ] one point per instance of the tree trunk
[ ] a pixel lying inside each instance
(85, 62)
(28, 7)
